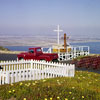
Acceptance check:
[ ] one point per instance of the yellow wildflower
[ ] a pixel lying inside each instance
(12, 84)
(73, 87)
(44, 80)
(58, 97)
(78, 77)
(13, 90)
(45, 99)
(70, 92)
(24, 98)
(50, 98)
(28, 84)
(90, 82)
(34, 84)
(66, 99)
(21, 83)
(25, 84)
(48, 86)
(84, 77)
(83, 97)
(59, 83)
(95, 74)
(9, 91)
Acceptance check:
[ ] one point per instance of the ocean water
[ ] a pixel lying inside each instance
(94, 47)
(19, 48)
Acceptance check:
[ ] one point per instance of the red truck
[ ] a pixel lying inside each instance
(37, 54)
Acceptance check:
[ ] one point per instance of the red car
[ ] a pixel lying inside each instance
(37, 54)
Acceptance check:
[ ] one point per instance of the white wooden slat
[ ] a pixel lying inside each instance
(7, 77)
(26, 73)
(2, 80)
(16, 76)
(19, 78)
(0, 76)
(12, 77)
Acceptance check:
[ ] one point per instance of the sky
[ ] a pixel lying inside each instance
(76, 17)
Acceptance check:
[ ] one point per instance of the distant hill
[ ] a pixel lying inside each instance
(4, 49)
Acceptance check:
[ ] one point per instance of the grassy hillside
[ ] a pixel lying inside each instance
(84, 86)
(7, 51)
(4, 49)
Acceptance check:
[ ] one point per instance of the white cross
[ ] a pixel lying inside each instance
(58, 30)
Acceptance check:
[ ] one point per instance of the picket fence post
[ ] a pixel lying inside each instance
(7, 77)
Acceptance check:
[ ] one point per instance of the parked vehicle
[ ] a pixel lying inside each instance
(37, 54)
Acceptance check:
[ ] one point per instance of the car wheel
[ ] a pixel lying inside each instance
(55, 60)
(21, 59)
(43, 60)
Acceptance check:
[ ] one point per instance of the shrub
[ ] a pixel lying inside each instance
(88, 62)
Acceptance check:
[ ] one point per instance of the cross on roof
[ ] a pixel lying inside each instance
(58, 31)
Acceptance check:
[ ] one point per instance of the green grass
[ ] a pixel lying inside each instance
(84, 86)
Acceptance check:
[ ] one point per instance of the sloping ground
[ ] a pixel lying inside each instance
(84, 86)
(82, 68)
(6, 54)
(9, 52)
(7, 57)
(4, 49)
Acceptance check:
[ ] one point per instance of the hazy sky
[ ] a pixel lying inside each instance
(76, 17)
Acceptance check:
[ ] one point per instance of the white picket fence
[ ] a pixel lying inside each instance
(15, 71)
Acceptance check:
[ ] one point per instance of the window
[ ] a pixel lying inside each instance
(38, 50)
(31, 51)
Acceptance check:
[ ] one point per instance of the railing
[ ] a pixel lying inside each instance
(15, 71)
(71, 55)
(76, 51)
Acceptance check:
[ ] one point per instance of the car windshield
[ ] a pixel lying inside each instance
(38, 50)
(31, 51)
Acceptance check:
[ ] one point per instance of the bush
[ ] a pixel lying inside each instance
(88, 62)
